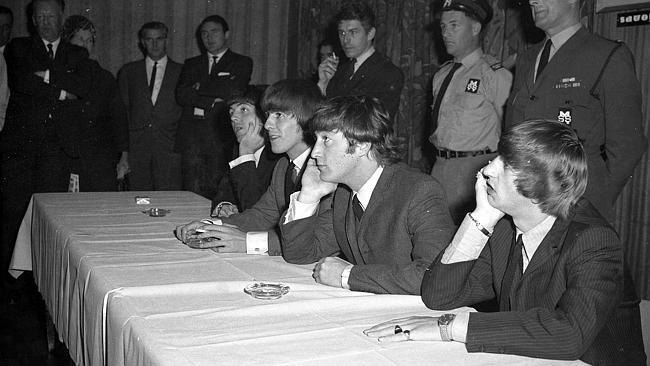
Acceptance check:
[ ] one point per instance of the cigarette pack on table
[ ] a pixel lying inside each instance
(142, 200)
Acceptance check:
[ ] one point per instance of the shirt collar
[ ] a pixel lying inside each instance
(533, 237)
(257, 155)
(473, 56)
(219, 55)
(365, 192)
(55, 44)
(363, 57)
(162, 62)
(562, 37)
(299, 162)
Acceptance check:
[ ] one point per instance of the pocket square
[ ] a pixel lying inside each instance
(223, 73)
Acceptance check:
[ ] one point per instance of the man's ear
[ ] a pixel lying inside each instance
(362, 148)
(226, 35)
(476, 28)
(371, 34)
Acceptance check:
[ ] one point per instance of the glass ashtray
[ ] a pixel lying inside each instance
(266, 291)
(156, 212)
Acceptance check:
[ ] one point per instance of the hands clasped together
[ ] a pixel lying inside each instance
(205, 234)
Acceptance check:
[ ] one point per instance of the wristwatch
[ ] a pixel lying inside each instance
(444, 323)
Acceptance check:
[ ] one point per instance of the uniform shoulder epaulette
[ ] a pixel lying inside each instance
(494, 63)
(496, 66)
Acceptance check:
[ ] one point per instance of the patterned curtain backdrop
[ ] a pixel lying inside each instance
(408, 34)
(258, 29)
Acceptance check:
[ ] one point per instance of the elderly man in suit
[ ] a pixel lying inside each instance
(386, 222)
(366, 71)
(39, 142)
(550, 259)
(289, 105)
(588, 82)
(207, 82)
(147, 89)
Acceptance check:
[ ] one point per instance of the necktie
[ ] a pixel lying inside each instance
(348, 72)
(512, 274)
(356, 207)
(441, 94)
(50, 51)
(152, 81)
(291, 183)
(543, 60)
(213, 68)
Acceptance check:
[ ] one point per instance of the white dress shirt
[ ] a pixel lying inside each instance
(160, 74)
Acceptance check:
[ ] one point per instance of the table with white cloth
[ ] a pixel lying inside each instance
(122, 290)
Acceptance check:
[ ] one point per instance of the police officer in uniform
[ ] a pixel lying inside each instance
(469, 94)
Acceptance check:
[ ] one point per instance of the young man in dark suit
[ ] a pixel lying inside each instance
(365, 71)
(147, 89)
(588, 82)
(39, 142)
(207, 82)
(387, 220)
(289, 105)
(552, 262)
(250, 173)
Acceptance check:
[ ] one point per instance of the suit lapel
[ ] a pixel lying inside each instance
(166, 83)
(363, 71)
(224, 61)
(529, 73)
(551, 243)
(142, 84)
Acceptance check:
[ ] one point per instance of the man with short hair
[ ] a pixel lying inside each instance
(289, 105)
(207, 82)
(386, 222)
(469, 94)
(589, 83)
(552, 262)
(147, 89)
(366, 71)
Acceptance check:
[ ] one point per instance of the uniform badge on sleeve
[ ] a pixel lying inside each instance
(564, 116)
(472, 86)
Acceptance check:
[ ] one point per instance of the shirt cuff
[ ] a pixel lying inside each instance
(345, 276)
(467, 244)
(242, 159)
(459, 327)
(298, 210)
(257, 242)
(212, 221)
(62, 94)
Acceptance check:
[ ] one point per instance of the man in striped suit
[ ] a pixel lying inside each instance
(551, 261)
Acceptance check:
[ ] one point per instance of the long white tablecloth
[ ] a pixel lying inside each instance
(122, 290)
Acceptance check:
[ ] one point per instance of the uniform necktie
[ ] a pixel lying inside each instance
(356, 207)
(543, 60)
(213, 68)
(152, 80)
(441, 94)
(50, 51)
(512, 274)
(291, 183)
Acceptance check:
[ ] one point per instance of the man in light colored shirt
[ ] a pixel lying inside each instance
(469, 94)
(588, 82)
(147, 89)
(289, 105)
(387, 221)
(552, 262)
(365, 71)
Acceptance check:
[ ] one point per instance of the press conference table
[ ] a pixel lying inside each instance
(121, 290)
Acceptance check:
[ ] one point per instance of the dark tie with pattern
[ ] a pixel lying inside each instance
(348, 72)
(356, 207)
(152, 80)
(291, 183)
(543, 60)
(512, 274)
(441, 94)
(213, 69)
(50, 51)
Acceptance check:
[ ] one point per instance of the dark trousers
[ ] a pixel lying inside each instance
(204, 166)
(154, 165)
(45, 168)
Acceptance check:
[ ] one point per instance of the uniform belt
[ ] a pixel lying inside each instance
(451, 154)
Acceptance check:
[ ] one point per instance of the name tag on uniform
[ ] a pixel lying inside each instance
(472, 86)
(564, 115)
(569, 82)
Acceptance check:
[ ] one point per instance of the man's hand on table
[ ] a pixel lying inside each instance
(328, 271)
(229, 239)
(414, 328)
(183, 232)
